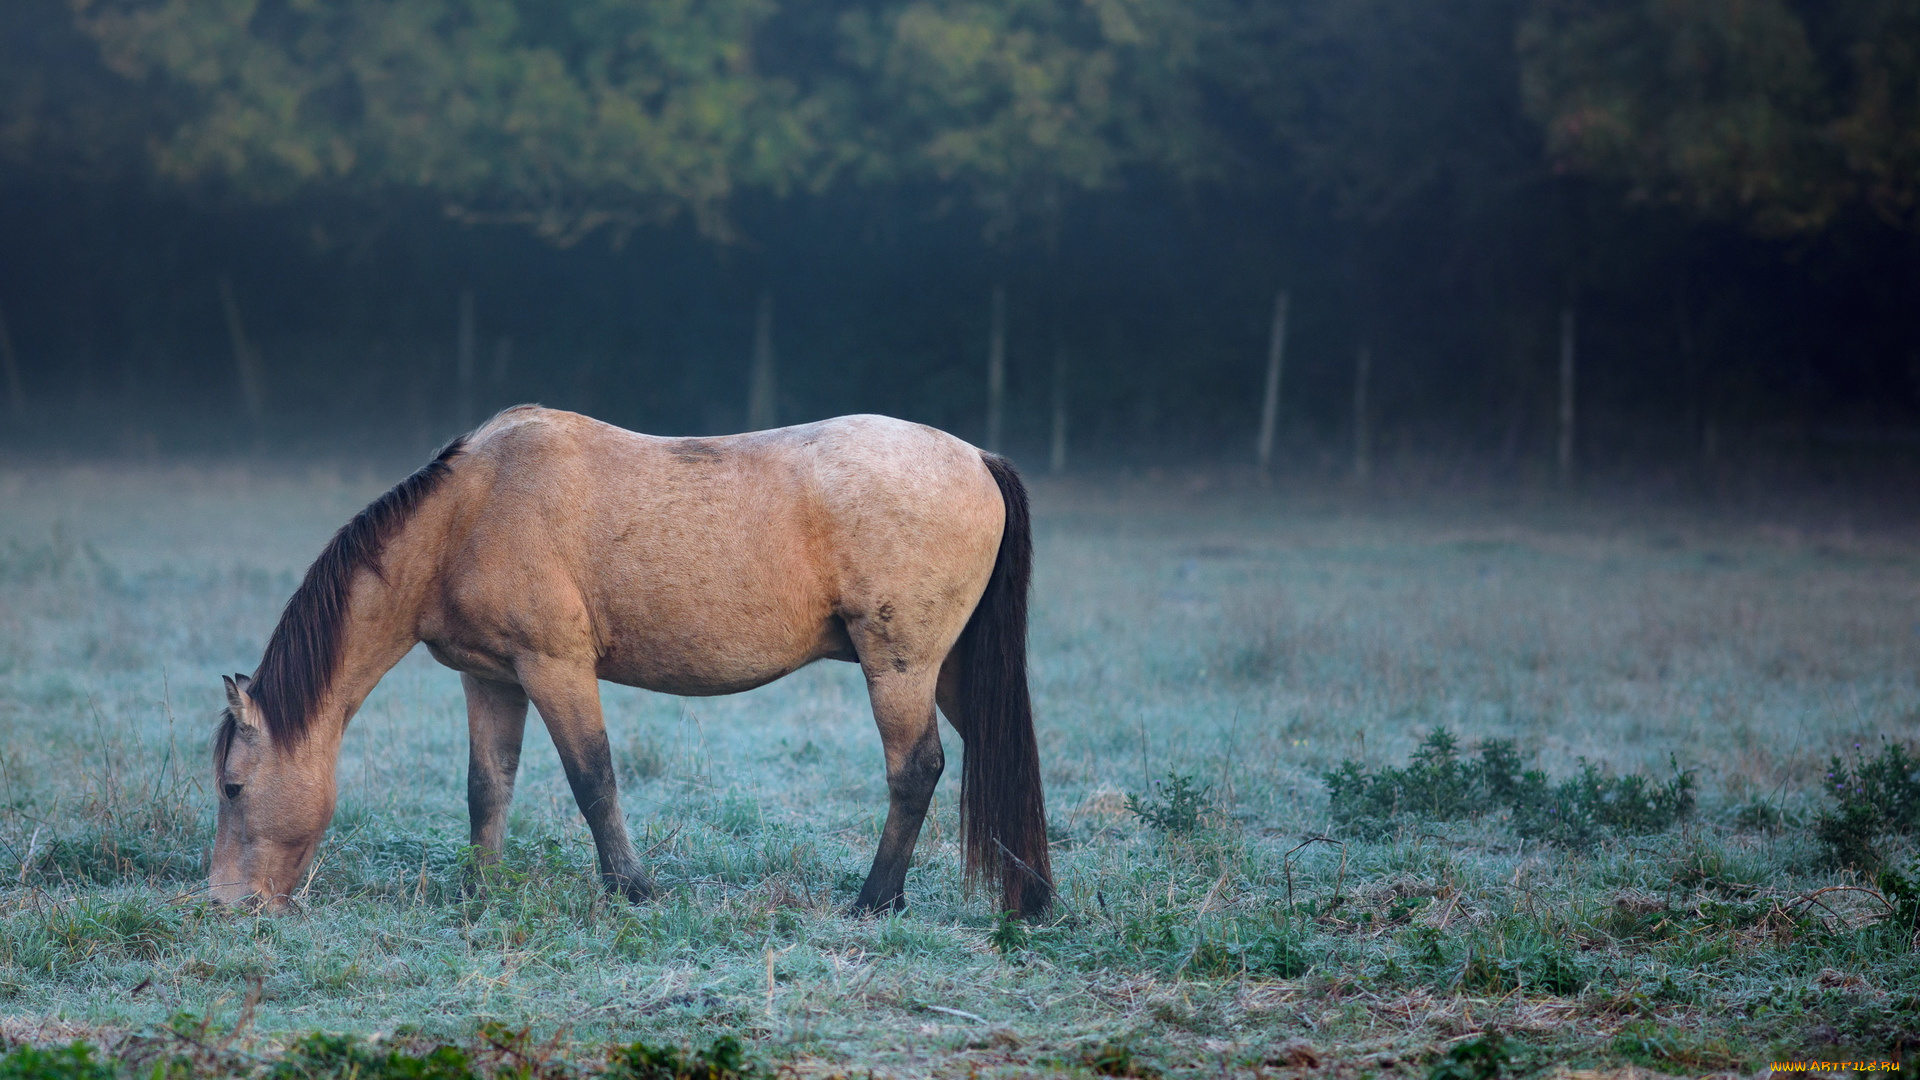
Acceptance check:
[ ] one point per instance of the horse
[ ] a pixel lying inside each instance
(545, 551)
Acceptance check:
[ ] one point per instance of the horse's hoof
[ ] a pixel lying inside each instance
(637, 888)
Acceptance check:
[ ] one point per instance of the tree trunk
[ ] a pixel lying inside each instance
(1362, 432)
(463, 364)
(1270, 400)
(996, 366)
(245, 361)
(1057, 460)
(502, 360)
(763, 390)
(1689, 367)
(1566, 396)
(10, 367)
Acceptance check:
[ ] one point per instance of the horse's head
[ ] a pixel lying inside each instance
(275, 803)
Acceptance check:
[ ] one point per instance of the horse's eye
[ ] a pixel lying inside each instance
(233, 792)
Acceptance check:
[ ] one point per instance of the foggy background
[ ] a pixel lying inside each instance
(424, 211)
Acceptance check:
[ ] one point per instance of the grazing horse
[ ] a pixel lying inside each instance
(546, 551)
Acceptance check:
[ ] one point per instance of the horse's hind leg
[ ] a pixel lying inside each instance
(496, 722)
(903, 708)
(569, 703)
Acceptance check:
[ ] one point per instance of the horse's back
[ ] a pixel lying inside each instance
(707, 565)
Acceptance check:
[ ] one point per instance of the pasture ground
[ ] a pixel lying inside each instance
(1243, 641)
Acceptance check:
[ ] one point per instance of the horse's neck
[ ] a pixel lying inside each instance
(383, 615)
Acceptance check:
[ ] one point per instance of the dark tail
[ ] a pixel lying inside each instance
(1002, 812)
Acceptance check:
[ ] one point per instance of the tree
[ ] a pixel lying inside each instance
(61, 113)
(1779, 115)
(1373, 106)
(565, 117)
(1017, 105)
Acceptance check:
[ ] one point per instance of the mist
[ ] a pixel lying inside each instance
(314, 236)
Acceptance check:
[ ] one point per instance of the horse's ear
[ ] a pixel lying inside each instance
(237, 702)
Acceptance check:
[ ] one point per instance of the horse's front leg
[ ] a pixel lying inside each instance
(569, 703)
(496, 723)
(903, 708)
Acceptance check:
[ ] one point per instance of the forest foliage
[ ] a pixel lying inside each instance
(1725, 190)
(618, 113)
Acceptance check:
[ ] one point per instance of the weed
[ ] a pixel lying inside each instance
(1761, 816)
(1424, 948)
(62, 935)
(1180, 809)
(1556, 972)
(1116, 1059)
(324, 1056)
(1578, 812)
(1484, 1058)
(1848, 836)
(1010, 934)
(1405, 908)
(1872, 797)
(1489, 975)
(347, 1057)
(72, 1062)
(725, 1059)
(1438, 786)
(1903, 893)
(1275, 954)
(639, 758)
(1665, 1045)
(739, 815)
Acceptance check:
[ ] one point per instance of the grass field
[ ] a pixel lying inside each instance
(1240, 643)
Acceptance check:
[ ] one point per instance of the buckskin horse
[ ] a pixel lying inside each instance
(546, 551)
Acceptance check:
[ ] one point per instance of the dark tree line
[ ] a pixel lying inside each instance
(298, 214)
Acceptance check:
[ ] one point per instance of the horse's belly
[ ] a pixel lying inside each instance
(705, 664)
(689, 683)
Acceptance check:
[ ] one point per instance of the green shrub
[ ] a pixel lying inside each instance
(1437, 785)
(1556, 972)
(1484, 1058)
(1010, 934)
(726, 1059)
(1903, 893)
(72, 1062)
(1848, 836)
(1181, 808)
(347, 1057)
(1579, 811)
(1872, 797)
(1275, 954)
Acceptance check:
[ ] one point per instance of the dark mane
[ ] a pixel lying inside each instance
(222, 741)
(304, 651)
